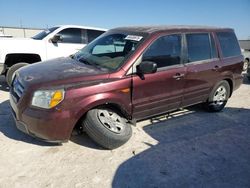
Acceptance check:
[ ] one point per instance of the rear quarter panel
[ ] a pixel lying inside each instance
(232, 69)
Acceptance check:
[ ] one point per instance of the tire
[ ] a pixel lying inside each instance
(245, 65)
(11, 72)
(218, 97)
(107, 128)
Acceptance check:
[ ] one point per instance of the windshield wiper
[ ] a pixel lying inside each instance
(85, 61)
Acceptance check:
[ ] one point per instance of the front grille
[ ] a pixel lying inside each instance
(17, 89)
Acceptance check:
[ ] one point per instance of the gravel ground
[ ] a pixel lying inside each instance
(189, 148)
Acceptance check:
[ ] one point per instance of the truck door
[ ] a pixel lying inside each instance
(72, 40)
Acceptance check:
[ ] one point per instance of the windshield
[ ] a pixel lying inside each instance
(108, 51)
(44, 33)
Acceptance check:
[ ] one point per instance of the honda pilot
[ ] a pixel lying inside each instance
(126, 75)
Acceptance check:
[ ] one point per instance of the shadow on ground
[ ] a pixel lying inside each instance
(197, 149)
(245, 79)
(8, 128)
(84, 140)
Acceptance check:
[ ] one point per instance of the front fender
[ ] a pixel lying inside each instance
(121, 100)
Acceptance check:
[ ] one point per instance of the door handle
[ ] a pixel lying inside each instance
(216, 67)
(178, 76)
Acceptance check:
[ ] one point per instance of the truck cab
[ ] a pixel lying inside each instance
(58, 41)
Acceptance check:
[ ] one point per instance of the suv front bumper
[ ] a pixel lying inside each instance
(50, 126)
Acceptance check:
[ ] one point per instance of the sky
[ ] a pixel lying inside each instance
(114, 13)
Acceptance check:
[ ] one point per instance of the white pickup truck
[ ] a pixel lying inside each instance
(54, 42)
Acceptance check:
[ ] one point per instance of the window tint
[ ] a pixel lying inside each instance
(229, 44)
(92, 34)
(71, 35)
(165, 51)
(44, 33)
(198, 46)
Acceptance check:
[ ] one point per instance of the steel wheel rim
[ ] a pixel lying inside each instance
(111, 121)
(220, 95)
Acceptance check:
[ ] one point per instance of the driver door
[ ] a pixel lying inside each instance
(161, 91)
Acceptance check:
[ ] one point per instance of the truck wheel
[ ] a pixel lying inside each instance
(245, 65)
(107, 128)
(218, 97)
(11, 72)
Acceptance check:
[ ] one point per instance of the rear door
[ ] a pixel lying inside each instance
(203, 67)
(161, 91)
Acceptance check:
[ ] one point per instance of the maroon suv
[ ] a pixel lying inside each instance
(128, 73)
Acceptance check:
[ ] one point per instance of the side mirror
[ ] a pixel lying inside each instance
(146, 67)
(56, 38)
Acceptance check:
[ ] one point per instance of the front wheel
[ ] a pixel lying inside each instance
(107, 127)
(218, 97)
(11, 72)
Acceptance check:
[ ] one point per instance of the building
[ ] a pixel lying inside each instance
(245, 44)
(26, 32)
(18, 31)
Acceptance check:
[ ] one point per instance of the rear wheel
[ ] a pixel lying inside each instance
(11, 72)
(107, 127)
(218, 97)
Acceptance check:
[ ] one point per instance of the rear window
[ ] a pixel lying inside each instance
(229, 44)
(93, 34)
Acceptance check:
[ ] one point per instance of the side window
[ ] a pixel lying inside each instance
(84, 36)
(229, 44)
(165, 51)
(198, 47)
(214, 53)
(93, 34)
(71, 35)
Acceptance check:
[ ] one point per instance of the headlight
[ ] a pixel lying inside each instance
(47, 98)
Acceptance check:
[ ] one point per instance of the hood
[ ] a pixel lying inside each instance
(15, 40)
(60, 71)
